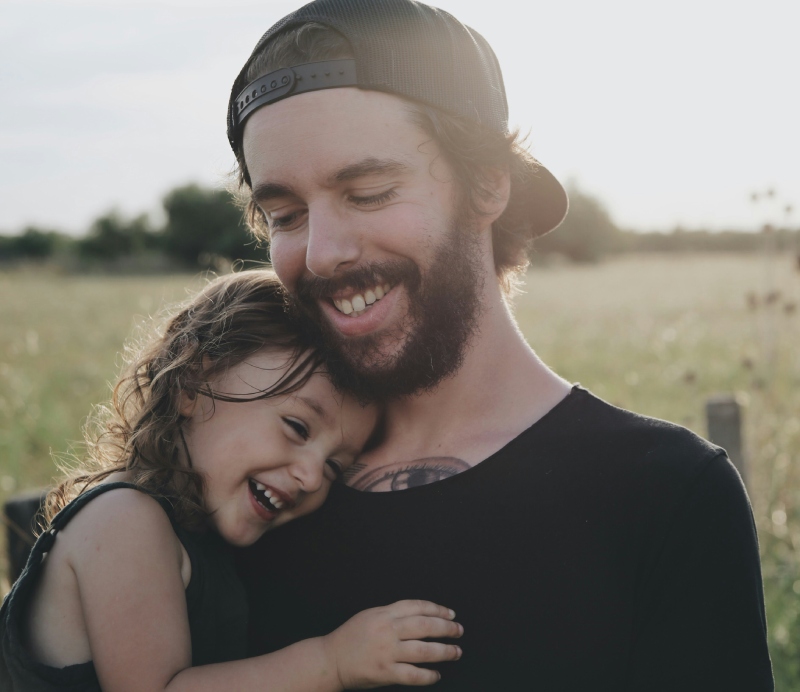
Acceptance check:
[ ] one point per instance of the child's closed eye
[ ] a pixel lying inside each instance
(297, 427)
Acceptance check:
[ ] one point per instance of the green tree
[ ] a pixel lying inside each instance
(203, 225)
(32, 244)
(112, 236)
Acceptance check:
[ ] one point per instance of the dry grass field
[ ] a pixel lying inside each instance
(655, 334)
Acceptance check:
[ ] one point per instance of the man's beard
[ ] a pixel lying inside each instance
(443, 310)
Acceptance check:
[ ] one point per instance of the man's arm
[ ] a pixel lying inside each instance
(701, 621)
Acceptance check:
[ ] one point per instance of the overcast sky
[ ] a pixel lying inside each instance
(671, 113)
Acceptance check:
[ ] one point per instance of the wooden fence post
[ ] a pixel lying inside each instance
(724, 417)
(19, 516)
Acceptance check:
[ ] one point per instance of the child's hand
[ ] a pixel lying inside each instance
(378, 646)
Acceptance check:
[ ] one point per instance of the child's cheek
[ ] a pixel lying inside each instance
(310, 503)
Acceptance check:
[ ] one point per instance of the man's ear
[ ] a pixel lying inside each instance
(497, 183)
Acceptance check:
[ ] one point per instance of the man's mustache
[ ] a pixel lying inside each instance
(313, 288)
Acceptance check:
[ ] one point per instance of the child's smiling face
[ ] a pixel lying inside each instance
(268, 461)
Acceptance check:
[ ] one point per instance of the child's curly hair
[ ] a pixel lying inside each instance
(139, 432)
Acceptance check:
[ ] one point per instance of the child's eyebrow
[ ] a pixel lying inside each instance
(317, 408)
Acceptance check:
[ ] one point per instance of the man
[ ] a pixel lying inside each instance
(581, 546)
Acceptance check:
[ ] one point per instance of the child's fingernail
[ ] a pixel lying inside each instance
(459, 652)
(460, 629)
(452, 613)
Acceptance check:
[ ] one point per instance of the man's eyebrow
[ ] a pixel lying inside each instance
(316, 407)
(368, 166)
(264, 192)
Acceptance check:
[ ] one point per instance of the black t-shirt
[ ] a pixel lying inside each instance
(599, 550)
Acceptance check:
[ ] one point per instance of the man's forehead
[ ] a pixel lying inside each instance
(350, 108)
(339, 135)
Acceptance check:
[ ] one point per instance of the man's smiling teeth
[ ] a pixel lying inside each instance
(271, 497)
(359, 302)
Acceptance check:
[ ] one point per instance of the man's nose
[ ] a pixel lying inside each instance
(333, 244)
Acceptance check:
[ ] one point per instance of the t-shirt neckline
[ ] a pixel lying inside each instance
(481, 467)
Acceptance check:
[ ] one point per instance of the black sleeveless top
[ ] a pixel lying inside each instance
(215, 600)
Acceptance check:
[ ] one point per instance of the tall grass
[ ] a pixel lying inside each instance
(655, 334)
(60, 341)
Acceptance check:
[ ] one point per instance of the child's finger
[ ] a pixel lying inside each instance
(427, 652)
(417, 607)
(406, 674)
(422, 627)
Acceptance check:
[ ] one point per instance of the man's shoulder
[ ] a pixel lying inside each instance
(603, 420)
(586, 432)
(616, 465)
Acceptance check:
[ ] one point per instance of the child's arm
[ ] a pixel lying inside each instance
(127, 561)
(375, 647)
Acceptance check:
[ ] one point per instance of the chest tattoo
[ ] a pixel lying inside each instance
(404, 474)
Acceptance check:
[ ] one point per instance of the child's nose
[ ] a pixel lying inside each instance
(308, 471)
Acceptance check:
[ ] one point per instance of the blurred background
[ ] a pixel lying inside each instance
(675, 278)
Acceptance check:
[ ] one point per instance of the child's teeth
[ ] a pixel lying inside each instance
(337, 303)
(278, 504)
(369, 297)
(347, 307)
(358, 303)
(260, 486)
(378, 292)
(386, 288)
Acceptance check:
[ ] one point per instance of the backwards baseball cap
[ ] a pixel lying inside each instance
(406, 48)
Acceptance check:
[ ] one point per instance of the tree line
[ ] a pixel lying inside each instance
(588, 233)
(204, 229)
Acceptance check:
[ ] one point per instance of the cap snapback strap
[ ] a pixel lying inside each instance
(289, 81)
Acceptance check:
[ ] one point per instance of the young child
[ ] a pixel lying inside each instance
(220, 430)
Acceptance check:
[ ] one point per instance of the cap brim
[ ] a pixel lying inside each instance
(548, 201)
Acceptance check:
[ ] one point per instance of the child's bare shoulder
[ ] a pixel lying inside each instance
(119, 541)
(122, 520)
